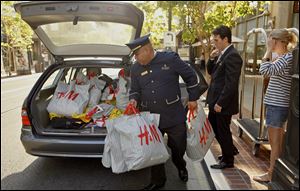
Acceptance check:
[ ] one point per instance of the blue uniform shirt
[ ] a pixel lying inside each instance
(156, 87)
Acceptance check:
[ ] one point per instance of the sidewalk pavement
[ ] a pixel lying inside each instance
(246, 165)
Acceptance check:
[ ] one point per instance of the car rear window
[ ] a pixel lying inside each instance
(89, 32)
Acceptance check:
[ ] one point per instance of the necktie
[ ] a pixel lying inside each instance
(219, 57)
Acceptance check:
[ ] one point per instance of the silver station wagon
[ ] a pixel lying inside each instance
(81, 35)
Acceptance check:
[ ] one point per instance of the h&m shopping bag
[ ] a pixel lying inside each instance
(200, 135)
(70, 99)
(141, 141)
(95, 92)
(113, 156)
(122, 95)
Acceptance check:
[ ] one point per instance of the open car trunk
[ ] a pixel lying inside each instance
(45, 128)
(43, 94)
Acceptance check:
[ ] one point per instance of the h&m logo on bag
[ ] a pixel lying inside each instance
(206, 130)
(68, 95)
(152, 136)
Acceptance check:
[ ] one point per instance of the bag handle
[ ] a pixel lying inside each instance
(191, 115)
(93, 111)
(111, 89)
(103, 119)
(131, 109)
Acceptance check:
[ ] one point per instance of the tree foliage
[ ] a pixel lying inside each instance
(196, 19)
(18, 33)
(153, 23)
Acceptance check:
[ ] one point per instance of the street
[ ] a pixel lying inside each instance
(20, 170)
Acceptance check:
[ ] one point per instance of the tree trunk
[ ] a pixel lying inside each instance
(170, 18)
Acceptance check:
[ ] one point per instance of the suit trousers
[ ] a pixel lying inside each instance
(221, 126)
(177, 144)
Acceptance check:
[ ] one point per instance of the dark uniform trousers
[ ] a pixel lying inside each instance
(221, 126)
(177, 143)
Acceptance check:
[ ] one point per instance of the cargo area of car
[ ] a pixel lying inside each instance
(41, 118)
(43, 126)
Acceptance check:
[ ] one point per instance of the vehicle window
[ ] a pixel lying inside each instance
(51, 80)
(71, 73)
(111, 72)
(68, 75)
(89, 32)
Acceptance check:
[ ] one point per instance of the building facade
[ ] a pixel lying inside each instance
(270, 18)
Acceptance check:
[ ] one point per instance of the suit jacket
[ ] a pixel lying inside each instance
(156, 87)
(224, 86)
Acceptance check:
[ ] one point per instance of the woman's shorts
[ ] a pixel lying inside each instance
(276, 116)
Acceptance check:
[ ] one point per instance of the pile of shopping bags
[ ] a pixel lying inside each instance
(89, 100)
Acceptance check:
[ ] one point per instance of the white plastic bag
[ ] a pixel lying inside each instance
(95, 91)
(112, 155)
(141, 141)
(200, 135)
(107, 95)
(70, 99)
(122, 96)
(81, 78)
(100, 110)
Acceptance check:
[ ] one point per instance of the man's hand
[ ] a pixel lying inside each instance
(133, 102)
(192, 105)
(214, 53)
(217, 108)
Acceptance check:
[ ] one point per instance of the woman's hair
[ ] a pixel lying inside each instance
(285, 36)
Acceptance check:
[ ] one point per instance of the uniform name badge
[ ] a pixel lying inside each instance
(144, 73)
(165, 67)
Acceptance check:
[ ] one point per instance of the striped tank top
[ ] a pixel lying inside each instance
(278, 91)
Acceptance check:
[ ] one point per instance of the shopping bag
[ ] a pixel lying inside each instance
(141, 141)
(69, 99)
(122, 95)
(81, 79)
(95, 91)
(113, 156)
(200, 135)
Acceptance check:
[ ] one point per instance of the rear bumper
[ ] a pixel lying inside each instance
(87, 147)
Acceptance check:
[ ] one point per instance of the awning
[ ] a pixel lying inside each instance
(199, 43)
(235, 39)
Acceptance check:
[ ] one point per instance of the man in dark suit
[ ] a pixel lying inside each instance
(224, 66)
(155, 88)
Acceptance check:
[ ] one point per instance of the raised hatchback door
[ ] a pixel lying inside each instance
(83, 28)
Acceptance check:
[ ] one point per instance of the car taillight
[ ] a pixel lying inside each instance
(25, 119)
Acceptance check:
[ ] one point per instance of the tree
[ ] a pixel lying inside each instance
(204, 16)
(168, 7)
(153, 23)
(18, 35)
(197, 19)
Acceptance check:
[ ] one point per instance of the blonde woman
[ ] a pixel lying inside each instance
(277, 96)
